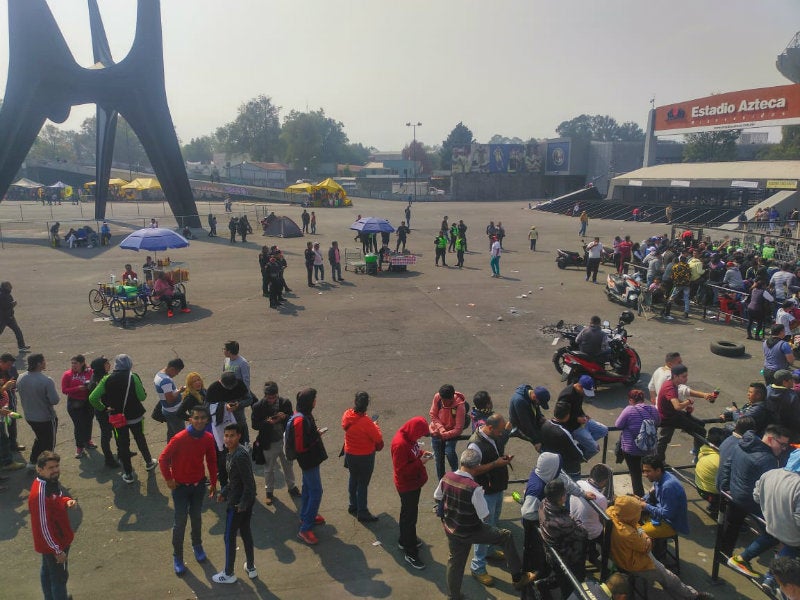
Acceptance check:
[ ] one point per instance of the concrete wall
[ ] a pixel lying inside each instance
(496, 186)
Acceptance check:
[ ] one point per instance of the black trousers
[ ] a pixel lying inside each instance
(106, 433)
(82, 415)
(11, 323)
(310, 272)
(409, 512)
(634, 463)
(400, 241)
(238, 523)
(124, 444)
(45, 434)
(683, 421)
(275, 289)
(591, 268)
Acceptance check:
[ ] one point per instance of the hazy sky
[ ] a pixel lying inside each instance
(513, 67)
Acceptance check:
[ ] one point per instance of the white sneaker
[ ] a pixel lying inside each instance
(221, 577)
(127, 477)
(251, 573)
(152, 464)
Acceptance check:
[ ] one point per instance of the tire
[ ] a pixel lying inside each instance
(634, 378)
(117, 310)
(562, 264)
(558, 359)
(725, 348)
(139, 306)
(97, 301)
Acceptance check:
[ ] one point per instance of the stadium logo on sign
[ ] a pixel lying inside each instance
(558, 157)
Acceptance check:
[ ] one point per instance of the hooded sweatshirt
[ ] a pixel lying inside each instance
(447, 416)
(751, 458)
(705, 471)
(548, 468)
(628, 544)
(778, 493)
(409, 471)
(362, 436)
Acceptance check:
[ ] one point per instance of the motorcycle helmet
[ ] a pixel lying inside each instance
(626, 317)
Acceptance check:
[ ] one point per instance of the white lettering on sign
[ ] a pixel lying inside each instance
(757, 104)
(727, 108)
(710, 111)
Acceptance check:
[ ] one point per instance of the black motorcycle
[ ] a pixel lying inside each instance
(568, 258)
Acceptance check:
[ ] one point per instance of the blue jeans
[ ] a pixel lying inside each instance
(311, 498)
(494, 262)
(360, 468)
(586, 437)
(442, 448)
(495, 504)
(582, 230)
(54, 577)
(758, 546)
(188, 501)
(676, 291)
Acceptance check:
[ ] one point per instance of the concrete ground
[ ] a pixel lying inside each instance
(398, 336)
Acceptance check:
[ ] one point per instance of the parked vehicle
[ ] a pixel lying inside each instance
(624, 289)
(624, 365)
(568, 258)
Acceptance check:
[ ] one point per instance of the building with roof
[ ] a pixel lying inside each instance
(262, 174)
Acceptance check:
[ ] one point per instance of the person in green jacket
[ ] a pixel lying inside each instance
(441, 248)
(460, 245)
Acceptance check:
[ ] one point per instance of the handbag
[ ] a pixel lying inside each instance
(158, 414)
(118, 420)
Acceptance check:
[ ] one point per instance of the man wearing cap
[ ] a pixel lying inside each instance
(733, 277)
(525, 412)
(585, 430)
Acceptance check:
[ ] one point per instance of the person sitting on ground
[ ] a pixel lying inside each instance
(165, 290)
(630, 549)
(129, 275)
(187, 233)
(707, 467)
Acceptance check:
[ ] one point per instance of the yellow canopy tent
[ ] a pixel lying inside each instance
(300, 188)
(116, 181)
(331, 185)
(142, 183)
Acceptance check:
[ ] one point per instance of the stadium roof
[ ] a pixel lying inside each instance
(757, 169)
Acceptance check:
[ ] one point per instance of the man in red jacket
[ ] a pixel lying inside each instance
(410, 474)
(52, 532)
(181, 464)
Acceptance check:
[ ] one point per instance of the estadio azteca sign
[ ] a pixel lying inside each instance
(761, 107)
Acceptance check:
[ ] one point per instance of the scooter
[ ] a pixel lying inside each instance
(568, 258)
(624, 365)
(624, 289)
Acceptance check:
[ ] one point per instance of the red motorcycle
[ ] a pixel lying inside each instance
(624, 365)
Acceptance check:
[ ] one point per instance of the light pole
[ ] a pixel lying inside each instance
(413, 153)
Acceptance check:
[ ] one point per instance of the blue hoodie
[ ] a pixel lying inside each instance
(751, 458)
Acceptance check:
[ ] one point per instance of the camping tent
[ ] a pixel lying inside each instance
(282, 227)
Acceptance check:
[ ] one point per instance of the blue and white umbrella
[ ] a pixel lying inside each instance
(372, 225)
(154, 239)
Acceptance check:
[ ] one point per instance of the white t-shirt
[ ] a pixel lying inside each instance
(496, 249)
(660, 375)
(595, 251)
(580, 509)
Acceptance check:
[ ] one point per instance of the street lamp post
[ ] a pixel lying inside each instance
(413, 153)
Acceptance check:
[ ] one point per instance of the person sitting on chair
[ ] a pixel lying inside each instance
(165, 290)
(592, 340)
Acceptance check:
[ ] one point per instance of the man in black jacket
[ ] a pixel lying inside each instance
(269, 418)
(7, 319)
(556, 439)
(306, 440)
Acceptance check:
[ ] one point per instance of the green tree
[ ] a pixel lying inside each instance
(602, 128)
(787, 149)
(52, 143)
(312, 137)
(459, 136)
(417, 152)
(199, 149)
(255, 130)
(501, 139)
(711, 146)
(355, 154)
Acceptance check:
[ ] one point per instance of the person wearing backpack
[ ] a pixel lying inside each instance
(632, 422)
(448, 419)
(303, 441)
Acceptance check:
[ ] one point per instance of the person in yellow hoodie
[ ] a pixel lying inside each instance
(630, 549)
(705, 471)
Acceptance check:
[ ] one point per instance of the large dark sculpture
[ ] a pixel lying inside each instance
(44, 82)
